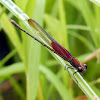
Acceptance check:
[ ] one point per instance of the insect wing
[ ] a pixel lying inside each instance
(60, 50)
(40, 31)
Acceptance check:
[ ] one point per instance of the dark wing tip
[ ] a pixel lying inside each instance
(31, 20)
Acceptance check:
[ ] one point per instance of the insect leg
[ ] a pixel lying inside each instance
(68, 68)
(75, 77)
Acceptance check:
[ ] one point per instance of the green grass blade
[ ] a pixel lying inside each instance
(97, 2)
(54, 80)
(34, 55)
(12, 69)
(3, 61)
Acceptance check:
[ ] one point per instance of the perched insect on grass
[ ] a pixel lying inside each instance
(55, 46)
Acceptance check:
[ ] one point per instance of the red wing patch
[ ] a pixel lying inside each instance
(60, 50)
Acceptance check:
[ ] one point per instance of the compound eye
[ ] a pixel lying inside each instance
(79, 69)
(85, 66)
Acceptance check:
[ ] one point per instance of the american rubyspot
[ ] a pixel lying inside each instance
(55, 46)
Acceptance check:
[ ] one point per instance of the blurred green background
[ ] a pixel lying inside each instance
(28, 70)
